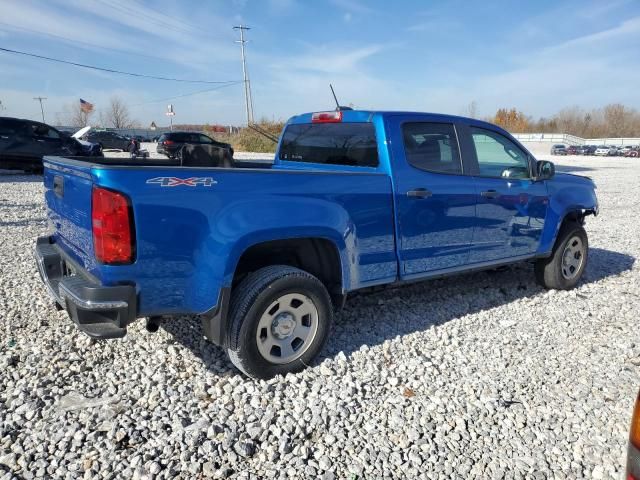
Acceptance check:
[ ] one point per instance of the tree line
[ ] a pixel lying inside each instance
(611, 121)
(115, 115)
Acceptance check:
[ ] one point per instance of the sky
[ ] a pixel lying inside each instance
(433, 56)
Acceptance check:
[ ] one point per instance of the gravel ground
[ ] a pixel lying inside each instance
(486, 377)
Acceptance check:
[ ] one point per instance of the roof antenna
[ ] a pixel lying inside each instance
(338, 107)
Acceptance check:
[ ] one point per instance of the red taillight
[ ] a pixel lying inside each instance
(112, 227)
(168, 142)
(326, 117)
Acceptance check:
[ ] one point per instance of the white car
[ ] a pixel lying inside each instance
(624, 149)
(602, 151)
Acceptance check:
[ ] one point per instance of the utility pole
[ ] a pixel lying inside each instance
(247, 86)
(41, 107)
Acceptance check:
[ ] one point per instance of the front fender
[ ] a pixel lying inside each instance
(568, 195)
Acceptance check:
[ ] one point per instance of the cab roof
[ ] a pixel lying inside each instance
(369, 115)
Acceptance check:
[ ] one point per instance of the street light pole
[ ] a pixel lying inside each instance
(40, 99)
(247, 86)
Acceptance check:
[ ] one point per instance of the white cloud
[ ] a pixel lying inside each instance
(328, 59)
(131, 27)
(353, 6)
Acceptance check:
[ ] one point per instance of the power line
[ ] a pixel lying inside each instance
(40, 99)
(187, 94)
(110, 70)
(79, 42)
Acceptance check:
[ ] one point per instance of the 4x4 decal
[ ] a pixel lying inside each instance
(176, 182)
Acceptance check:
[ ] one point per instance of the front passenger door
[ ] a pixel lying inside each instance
(511, 205)
(47, 140)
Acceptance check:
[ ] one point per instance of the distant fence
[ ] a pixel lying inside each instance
(567, 139)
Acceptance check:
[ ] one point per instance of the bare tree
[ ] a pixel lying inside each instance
(72, 115)
(117, 115)
(618, 118)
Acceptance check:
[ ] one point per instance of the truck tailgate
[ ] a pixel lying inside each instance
(68, 196)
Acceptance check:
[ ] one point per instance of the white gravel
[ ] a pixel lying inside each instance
(483, 376)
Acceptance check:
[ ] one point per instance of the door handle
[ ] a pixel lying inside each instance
(490, 194)
(419, 193)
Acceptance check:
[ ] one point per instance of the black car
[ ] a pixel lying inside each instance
(171, 143)
(23, 143)
(586, 150)
(109, 140)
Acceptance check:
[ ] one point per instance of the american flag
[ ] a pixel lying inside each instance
(85, 106)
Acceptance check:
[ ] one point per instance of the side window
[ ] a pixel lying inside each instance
(498, 156)
(43, 131)
(432, 147)
(204, 139)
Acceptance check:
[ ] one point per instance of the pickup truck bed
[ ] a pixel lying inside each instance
(264, 253)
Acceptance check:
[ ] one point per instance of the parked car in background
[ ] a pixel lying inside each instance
(602, 151)
(23, 143)
(587, 150)
(108, 140)
(171, 143)
(572, 150)
(558, 149)
(624, 149)
(633, 152)
(141, 138)
(613, 151)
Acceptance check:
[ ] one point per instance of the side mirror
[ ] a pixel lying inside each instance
(545, 170)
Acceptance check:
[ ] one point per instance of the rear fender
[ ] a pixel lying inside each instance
(257, 237)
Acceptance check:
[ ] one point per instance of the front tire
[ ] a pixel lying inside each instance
(279, 320)
(568, 260)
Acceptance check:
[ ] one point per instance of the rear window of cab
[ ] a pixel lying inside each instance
(350, 144)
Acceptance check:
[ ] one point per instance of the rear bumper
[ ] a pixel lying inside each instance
(99, 311)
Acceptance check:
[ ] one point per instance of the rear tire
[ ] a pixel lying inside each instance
(568, 260)
(279, 320)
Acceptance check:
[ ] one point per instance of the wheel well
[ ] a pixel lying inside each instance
(577, 216)
(318, 256)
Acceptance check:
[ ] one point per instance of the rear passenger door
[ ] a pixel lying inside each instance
(435, 200)
(511, 205)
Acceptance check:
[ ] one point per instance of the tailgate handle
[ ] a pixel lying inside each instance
(58, 185)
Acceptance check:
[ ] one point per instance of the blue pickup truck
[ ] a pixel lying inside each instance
(265, 254)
